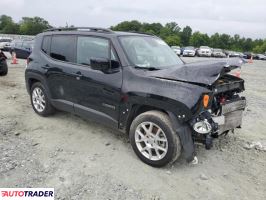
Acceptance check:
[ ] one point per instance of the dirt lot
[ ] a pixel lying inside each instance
(84, 160)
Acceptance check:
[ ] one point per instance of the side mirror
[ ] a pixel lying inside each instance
(101, 64)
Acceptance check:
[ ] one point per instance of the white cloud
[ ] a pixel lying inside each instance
(11, 4)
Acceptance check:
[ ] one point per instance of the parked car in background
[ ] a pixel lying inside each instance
(259, 57)
(204, 51)
(7, 47)
(189, 51)
(241, 55)
(22, 48)
(177, 50)
(235, 54)
(248, 55)
(5, 43)
(218, 53)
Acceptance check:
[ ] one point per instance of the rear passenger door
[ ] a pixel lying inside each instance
(59, 66)
(98, 93)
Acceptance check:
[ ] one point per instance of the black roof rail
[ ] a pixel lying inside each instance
(93, 29)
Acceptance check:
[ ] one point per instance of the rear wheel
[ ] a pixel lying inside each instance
(40, 101)
(153, 139)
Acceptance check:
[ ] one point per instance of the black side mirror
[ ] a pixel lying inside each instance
(101, 64)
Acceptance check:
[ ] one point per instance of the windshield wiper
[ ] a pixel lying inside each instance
(147, 68)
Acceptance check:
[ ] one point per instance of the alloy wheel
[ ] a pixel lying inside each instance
(151, 141)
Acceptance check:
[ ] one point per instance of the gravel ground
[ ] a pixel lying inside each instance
(84, 160)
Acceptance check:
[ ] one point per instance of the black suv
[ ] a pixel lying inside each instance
(3, 64)
(135, 83)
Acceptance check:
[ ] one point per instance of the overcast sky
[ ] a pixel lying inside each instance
(244, 17)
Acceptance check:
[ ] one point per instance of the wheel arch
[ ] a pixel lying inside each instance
(32, 78)
(180, 126)
(164, 105)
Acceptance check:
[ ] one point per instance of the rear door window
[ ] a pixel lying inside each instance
(63, 47)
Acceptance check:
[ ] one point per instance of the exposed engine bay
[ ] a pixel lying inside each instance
(224, 113)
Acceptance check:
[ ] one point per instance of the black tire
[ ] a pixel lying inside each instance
(4, 69)
(48, 108)
(161, 120)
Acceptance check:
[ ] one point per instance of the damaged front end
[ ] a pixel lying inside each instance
(210, 93)
(224, 110)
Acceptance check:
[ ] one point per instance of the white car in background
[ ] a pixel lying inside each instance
(4, 42)
(204, 51)
(218, 53)
(189, 51)
(177, 50)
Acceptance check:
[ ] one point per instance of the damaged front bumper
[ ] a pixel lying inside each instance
(231, 116)
(207, 125)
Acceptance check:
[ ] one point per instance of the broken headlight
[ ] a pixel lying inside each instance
(202, 127)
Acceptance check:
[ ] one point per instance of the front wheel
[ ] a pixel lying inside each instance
(153, 139)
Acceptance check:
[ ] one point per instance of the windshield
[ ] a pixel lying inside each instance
(204, 47)
(5, 40)
(217, 50)
(175, 47)
(189, 48)
(149, 52)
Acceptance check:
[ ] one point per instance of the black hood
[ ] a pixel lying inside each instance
(204, 72)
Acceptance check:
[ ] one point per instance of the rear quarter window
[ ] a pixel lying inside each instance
(63, 47)
(46, 42)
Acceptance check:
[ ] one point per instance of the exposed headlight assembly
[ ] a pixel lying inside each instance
(202, 127)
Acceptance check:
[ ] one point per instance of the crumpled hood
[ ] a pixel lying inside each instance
(204, 72)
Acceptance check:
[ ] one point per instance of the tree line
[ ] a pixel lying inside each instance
(171, 32)
(173, 35)
(26, 26)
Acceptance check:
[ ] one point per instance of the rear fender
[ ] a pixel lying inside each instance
(32, 75)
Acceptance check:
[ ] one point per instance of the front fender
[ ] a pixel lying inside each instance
(185, 134)
(163, 103)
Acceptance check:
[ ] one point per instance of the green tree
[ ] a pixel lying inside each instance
(247, 45)
(33, 26)
(173, 40)
(127, 26)
(4, 21)
(215, 40)
(153, 28)
(261, 48)
(7, 25)
(11, 28)
(185, 35)
(173, 27)
(198, 39)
